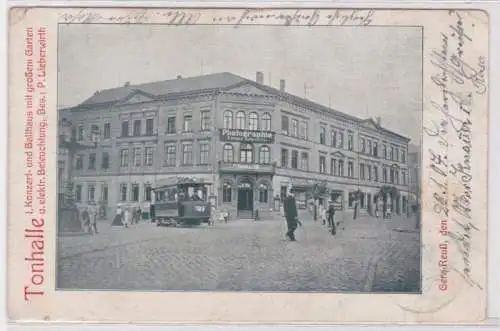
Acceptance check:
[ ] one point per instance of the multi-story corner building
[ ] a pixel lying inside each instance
(249, 139)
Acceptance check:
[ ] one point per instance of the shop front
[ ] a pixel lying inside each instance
(246, 172)
(245, 192)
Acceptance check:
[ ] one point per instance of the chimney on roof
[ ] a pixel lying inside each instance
(378, 120)
(282, 85)
(126, 84)
(179, 77)
(259, 77)
(96, 92)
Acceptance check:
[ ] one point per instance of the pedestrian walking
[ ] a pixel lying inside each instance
(134, 215)
(322, 214)
(331, 218)
(139, 214)
(377, 211)
(85, 219)
(388, 213)
(117, 220)
(291, 215)
(93, 218)
(126, 218)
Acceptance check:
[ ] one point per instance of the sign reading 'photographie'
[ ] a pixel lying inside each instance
(247, 136)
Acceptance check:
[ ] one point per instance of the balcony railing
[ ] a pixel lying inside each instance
(236, 167)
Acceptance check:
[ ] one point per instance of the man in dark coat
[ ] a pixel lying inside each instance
(139, 214)
(291, 214)
(152, 212)
(331, 218)
(180, 206)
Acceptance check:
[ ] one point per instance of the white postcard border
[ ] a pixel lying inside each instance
(50, 307)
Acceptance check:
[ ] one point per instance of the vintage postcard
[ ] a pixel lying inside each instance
(222, 165)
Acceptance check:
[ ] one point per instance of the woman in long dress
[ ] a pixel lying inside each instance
(117, 220)
(321, 212)
(126, 218)
(85, 219)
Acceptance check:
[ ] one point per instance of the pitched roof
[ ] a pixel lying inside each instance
(188, 84)
(211, 82)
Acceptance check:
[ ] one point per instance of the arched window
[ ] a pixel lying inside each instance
(263, 193)
(253, 121)
(246, 153)
(240, 120)
(228, 154)
(264, 155)
(266, 122)
(228, 119)
(226, 192)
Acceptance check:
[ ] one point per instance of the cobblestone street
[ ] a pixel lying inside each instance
(369, 255)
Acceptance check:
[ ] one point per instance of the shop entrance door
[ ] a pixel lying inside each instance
(245, 196)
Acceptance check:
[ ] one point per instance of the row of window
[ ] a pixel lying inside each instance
(240, 121)
(393, 153)
(336, 167)
(187, 122)
(187, 155)
(368, 200)
(389, 175)
(138, 129)
(294, 128)
(251, 122)
(298, 129)
(365, 200)
(246, 154)
(227, 193)
(294, 161)
(336, 139)
(247, 122)
(133, 194)
(145, 156)
(138, 158)
(124, 194)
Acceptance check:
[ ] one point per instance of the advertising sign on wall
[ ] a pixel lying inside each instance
(266, 137)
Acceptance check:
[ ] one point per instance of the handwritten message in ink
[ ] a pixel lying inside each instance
(308, 17)
(461, 81)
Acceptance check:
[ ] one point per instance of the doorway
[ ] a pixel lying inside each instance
(245, 196)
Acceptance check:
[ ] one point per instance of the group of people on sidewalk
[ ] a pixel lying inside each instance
(386, 214)
(327, 216)
(292, 217)
(125, 216)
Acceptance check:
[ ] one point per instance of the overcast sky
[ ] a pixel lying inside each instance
(362, 71)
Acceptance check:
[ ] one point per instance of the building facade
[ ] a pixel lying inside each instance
(250, 140)
(414, 157)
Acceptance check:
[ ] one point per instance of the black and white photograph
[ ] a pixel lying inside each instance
(243, 159)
